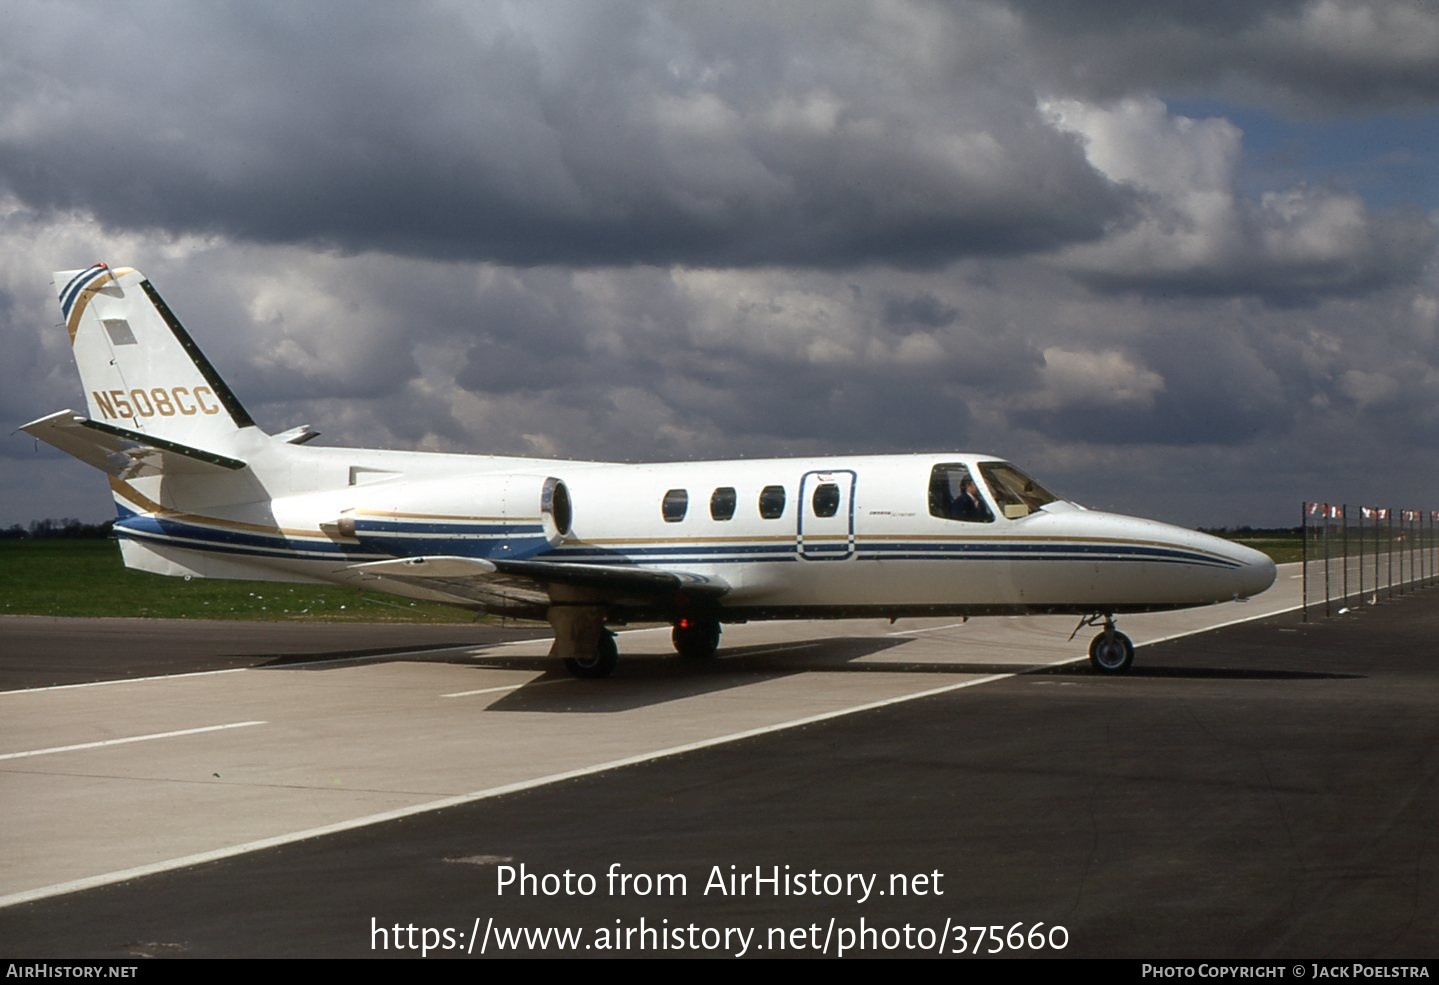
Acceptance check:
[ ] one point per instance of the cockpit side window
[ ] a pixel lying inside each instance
(954, 495)
(1016, 493)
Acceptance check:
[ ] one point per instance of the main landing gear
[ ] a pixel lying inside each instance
(1111, 652)
(582, 640)
(601, 663)
(589, 650)
(696, 637)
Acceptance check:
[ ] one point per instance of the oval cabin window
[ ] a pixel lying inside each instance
(675, 505)
(771, 502)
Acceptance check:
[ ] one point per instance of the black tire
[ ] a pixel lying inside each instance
(602, 664)
(1111, 655)
(697, 639)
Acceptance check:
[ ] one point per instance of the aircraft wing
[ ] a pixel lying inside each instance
(121, 452)
(498, 583)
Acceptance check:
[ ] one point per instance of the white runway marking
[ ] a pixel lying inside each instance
(927, 629)
(128, 739)
(505, 687)
(124, 680)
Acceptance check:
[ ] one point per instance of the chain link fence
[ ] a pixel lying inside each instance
(1362, 555)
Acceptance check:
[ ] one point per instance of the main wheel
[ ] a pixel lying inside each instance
(1111, 653)
(695, 638)
(602, 664)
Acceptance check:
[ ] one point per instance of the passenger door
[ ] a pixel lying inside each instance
(825, 525)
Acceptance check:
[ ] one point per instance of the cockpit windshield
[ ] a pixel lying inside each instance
(957, 493)
(1016, 493)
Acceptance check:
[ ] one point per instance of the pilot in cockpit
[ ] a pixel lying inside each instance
(968, 505)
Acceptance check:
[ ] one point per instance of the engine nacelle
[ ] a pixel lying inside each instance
(488, 516)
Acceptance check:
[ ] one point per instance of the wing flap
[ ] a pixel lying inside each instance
(539, 582)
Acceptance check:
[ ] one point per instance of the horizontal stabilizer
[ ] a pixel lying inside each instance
(123, 453)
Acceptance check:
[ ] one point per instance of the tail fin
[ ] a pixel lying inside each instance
(141, 371)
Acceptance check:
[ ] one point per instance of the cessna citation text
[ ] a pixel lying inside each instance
(201, 491)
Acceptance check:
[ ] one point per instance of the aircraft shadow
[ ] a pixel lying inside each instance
(649, 679)
(646, 679)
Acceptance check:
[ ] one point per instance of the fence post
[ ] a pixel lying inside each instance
(1326, 560)
(1304, 561)
(1391, 553)
(1361, 554)
(1344, 551)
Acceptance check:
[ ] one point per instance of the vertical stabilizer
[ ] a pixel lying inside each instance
(141, 370)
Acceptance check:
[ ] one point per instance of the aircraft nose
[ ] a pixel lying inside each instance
(1256, 570)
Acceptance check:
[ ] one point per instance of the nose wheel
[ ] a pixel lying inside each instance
(1111, 652)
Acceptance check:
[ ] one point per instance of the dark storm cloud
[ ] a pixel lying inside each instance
(590, 134)
(1303, 56)
(1388, 249)
(919, 309)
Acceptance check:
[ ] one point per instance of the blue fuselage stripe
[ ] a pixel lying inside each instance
(527, 541)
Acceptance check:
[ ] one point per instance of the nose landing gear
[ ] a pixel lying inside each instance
(1111, 652)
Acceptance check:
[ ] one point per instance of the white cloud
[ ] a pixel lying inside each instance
(1195, 233)
(1104, 379)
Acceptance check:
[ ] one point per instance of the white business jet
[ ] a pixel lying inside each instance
(201, 491)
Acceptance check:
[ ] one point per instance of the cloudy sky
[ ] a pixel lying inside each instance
(1175, 259)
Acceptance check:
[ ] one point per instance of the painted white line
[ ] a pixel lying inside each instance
(1221, 625)
(770, 649)
(132, 738)
(124, 680)
(931, 629)
(551, 639)
(1188, 632)
(332, 662)
(504, 687)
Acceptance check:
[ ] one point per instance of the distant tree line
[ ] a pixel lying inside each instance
(65, 528)
(1253, 531)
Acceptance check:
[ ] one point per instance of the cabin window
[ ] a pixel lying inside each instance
(675, 505)
(771, 502)
(954, 495)
(722, 503)
(826, 499)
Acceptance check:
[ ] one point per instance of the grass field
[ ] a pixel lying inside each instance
(1283, 549)
(86, 578)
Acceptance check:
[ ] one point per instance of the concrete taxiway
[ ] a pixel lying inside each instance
(292, 799)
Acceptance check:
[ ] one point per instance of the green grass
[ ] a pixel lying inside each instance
(87, 578)
(1282, 549)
